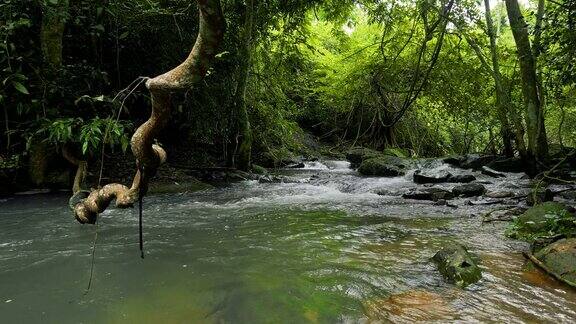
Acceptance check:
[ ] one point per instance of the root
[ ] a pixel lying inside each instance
(148, 155)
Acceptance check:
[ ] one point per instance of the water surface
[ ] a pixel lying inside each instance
(324, 249)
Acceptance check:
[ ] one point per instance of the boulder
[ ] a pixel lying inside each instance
(433, 194)
(560, 258)
(471, 161)
(469, 190)
(457, 265)
(461, 178)
(358, 154)
(544, 220)
(383, 166)
(421, 178)
(514, 164)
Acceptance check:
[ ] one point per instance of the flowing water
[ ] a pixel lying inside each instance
(322, 249)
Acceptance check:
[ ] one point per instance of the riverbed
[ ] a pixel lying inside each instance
(322, 247)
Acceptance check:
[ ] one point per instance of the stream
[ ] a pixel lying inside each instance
(324, 248)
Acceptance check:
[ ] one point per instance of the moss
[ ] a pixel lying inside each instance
(258, 169)
(384, 166)
(458, 266)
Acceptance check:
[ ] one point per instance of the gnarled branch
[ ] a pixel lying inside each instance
(148, 155)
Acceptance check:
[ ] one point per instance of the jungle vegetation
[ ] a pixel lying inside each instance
(431, 77)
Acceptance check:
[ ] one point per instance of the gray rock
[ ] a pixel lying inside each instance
(469, 190)
(433, 194)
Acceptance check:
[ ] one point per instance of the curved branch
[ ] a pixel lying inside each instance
(148, 155)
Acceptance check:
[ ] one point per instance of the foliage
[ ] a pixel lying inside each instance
(545, 220)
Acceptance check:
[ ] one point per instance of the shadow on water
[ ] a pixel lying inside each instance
(318, 251)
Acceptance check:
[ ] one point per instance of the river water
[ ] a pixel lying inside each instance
(322, 249)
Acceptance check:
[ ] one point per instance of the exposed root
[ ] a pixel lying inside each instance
(148, 155)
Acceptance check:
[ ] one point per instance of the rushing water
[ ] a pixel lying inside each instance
(324, 249)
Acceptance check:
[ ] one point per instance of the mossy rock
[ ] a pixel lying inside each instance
(396, 151)
(560, 258)
(457, 265)
(258, 169)
(358, 154)
(383, 166)
(544, 220)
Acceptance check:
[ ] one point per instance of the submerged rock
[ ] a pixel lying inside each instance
(433, 194)
(469, 190)
(560, 258)
(383, 166)
(457, 265)
(416, 305)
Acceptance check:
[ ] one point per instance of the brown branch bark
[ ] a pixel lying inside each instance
(148, 155)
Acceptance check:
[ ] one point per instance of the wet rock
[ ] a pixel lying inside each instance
(546, 219)
(358, 154)
(457, 265)
(515, 165)
(421, 178)
(383, 166)
(469, 190)
(569, 195)
(433, 194)
(503, 215)
(539, 196)
(492, 173)
(461, 178)
(471, 161)
(499, 194)
(560, 258)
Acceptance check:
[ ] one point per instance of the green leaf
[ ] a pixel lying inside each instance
(84, 147)
(20, 87)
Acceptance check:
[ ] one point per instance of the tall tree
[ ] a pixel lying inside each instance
(502, 100)
(537, 142)
(241, 158)
(54, 15)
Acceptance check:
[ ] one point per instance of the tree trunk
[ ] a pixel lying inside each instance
(502, 102)
(51, 32)
(148, 155)
(241, 157)
(537, 143)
